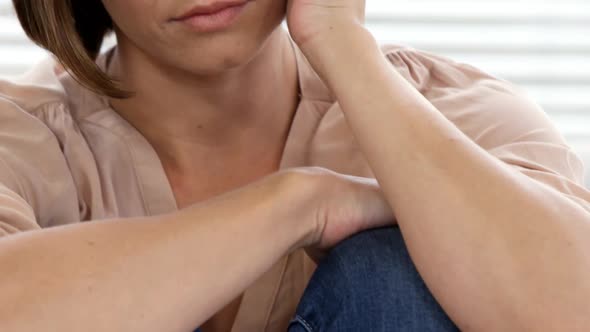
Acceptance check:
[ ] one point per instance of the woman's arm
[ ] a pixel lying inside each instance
(499, 250)
(167, 273)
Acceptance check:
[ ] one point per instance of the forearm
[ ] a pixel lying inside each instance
(165, 273)
(499, 251)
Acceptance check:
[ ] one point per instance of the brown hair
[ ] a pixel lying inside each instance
(73, 30)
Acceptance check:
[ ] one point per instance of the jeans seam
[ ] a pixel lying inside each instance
(303, 322)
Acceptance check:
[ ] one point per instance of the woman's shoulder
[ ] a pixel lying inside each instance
(426, 70)
(25, 99)
(46, 102)
(33, 167)
(47, 86)
(38, 87)
(35, 113)
(494, 113)
(41, 145)
(431, 74)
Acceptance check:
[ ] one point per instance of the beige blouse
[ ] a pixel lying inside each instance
(67, 157)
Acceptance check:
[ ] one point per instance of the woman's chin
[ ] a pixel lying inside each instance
(217, 60)
(214, 66)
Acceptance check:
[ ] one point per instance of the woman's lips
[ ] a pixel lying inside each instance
(214, 17)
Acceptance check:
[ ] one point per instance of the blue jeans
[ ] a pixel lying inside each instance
(369, 283)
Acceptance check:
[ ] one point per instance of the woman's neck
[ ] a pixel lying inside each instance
(188, 116)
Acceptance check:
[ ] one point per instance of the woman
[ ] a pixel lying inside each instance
(174, 139)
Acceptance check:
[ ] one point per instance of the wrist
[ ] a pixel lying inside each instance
(339, 50)
(299, 189)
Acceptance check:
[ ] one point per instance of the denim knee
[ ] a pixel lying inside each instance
(368, 282)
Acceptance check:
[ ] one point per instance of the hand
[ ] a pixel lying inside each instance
(312, 20)
(341, 206)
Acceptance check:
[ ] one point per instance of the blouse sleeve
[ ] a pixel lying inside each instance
(497, 116)
(36, 188)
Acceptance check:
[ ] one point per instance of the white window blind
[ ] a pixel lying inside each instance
(541, 45)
